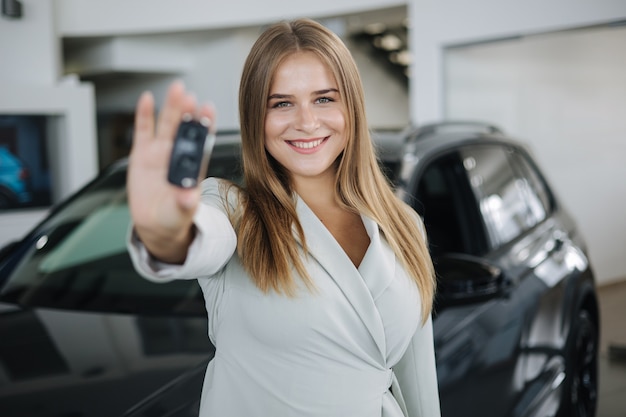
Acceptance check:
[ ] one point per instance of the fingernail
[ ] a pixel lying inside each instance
(205, 121)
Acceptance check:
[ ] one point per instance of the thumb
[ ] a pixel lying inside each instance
(188, 199)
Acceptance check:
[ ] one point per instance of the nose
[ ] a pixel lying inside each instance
(306, 119)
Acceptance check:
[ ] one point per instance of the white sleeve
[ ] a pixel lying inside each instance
(214, 243)
(417, 375)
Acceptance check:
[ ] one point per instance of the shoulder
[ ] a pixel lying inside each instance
(220, 193)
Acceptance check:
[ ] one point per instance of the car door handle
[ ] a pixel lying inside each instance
(558, 242)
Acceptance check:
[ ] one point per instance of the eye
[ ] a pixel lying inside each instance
(280, 104)
(324, 100)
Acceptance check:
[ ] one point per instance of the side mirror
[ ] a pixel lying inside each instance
(466, 279)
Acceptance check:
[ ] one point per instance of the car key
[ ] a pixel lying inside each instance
(191, 151)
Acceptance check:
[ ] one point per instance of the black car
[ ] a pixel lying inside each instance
(515, 319)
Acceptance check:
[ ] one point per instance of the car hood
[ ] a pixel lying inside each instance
(68, 363)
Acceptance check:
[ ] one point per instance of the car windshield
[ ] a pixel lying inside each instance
(77, 259)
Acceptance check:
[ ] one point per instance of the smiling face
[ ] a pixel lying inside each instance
(305, 125)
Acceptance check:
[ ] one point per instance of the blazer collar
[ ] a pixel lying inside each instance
(360, 286)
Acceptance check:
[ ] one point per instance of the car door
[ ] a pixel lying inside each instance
(474, 203)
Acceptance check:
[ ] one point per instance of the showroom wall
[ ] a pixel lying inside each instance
(118, 17)
(444, 23)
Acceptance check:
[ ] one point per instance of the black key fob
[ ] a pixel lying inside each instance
(190, 153)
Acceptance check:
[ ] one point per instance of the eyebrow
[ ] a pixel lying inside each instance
(315, 93)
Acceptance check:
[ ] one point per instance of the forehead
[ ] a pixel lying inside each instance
(303, 67)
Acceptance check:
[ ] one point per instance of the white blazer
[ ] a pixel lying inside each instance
(335, 351)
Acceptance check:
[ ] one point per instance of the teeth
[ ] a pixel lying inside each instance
(307, 145)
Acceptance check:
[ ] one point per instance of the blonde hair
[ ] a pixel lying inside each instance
(266, 243)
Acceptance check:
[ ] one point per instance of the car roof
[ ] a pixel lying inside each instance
(434, 138)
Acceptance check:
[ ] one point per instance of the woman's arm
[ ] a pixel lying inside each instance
(214, 242)
(162, 213)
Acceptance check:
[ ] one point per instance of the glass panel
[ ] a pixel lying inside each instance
(449, 215)
(539, 197)
(500, 194)
(24, 170)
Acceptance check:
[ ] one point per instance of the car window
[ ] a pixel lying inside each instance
(539, 196)
(445, 202)
(77, 258)
(506, 200)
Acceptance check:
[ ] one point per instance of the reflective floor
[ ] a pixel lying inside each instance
(612, 395)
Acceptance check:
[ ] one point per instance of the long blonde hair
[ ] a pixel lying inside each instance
(266, 243)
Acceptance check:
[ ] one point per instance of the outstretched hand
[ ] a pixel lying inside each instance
(162, 213)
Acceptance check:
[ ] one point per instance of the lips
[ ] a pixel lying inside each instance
(306, 144)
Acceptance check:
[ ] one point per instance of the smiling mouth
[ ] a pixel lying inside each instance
(306, 144)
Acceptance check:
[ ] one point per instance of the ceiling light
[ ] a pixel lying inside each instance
(375, 28)
(401, 57)
(388, 42)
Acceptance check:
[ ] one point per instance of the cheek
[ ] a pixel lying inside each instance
(338, 120)
(273, 126)
(270, 141)
(341, 126)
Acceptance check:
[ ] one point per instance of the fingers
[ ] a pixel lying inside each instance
(144, 119)
(187, 199)
(207, 111)
(177, 102)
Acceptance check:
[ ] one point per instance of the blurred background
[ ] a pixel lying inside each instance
(551, 74)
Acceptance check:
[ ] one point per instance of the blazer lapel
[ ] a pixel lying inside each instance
(330, 255)
(378, 266)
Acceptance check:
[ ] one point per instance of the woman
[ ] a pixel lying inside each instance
(317, 280)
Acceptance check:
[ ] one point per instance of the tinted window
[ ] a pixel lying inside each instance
(77, 258)
(445, 202)
(506, 200)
